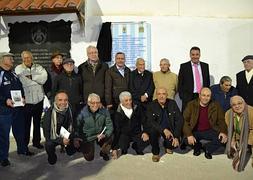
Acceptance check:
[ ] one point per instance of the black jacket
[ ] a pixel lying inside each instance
(175, 118)
(62, 120)
(244, 88)
(72, 84)
(93, 83)
(141, 84)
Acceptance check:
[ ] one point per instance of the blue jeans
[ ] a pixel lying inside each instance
(16, 120)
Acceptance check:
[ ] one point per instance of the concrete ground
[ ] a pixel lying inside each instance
(128, 167)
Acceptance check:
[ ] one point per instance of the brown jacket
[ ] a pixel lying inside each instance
(250, 115)
(215, 116)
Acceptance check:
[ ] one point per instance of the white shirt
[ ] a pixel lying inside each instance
(194, 78)
(249, 75)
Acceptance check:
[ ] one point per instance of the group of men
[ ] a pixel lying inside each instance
(114, 107)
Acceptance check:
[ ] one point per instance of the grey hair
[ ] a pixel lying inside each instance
(236, 96)
(225, 79)
(90, 47)
(93, 95)
(26, 52)
(165, 60)
(124, 94)
(138, 60)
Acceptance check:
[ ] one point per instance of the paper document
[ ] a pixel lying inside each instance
(64, 133)
(102, 131)
(16, 97)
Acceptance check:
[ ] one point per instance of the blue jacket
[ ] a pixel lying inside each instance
(8, 81)
(221, 97)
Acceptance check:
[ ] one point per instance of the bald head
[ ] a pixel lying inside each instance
(237, 104)
(205, 96)
(161, 95)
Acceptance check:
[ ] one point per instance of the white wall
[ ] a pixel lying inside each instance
(223, 29)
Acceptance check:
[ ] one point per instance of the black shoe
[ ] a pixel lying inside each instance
(105, 156)
(196, 152)
(123, 152)
(197, 149)
(39, 146)
(138, 152)
(208, 155)
(27, 153)
(5, 162)
(52, 159)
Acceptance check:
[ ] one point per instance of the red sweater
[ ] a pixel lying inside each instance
(203, 122)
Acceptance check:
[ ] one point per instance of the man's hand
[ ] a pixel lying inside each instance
(109, 106)
(65, 141)
(144, 98)
(144, 137)
(10, 103)
(223, 137)
(175, 142)
(167, 134)
(191, 140)
(77, 142)
(100, 137)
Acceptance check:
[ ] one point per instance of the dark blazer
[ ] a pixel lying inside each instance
(175, 118)
(244, 88)
(115, 83)
(93, 83)
(141, 84)
(216, 117)
(186, 81)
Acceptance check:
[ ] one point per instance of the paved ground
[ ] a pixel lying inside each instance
(128, 167)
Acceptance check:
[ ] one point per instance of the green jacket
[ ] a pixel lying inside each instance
(89, 124)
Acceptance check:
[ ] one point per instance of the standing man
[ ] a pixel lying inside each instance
(141, 84)
(193, 75)
(70, 82)
(92, 73)
(32, 76)
(116, 81)
(165, 78)
(244, 80)
(58, 116)
(165, 120)
(10, 116)
(204, 119)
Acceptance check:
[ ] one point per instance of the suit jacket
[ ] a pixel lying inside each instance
(244, 88)
(216, 117)
(186, 81)
(115, 83)
(175, 118)
(139, 85)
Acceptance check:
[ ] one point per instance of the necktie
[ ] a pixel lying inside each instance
(197, 77)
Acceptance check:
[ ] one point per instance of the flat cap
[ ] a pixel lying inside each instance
(68, 60)
(3, 54)
(247, 57)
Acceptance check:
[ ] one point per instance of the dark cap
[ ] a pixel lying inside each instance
(67, 60)
(56, 53)
(247, 57)
(3, 54)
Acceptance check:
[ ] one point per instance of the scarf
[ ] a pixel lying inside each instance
(128, 112)
(238, 154)
(55, 110)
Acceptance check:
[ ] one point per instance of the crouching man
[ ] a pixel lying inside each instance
(58, 127)
(164, 120)
(94, 125)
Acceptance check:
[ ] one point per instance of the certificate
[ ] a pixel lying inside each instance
(16, 97)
